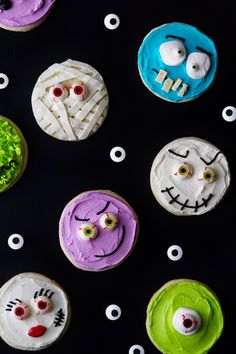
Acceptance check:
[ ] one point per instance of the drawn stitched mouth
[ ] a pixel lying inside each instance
(197, 205)
(118, 246)
(172, 85)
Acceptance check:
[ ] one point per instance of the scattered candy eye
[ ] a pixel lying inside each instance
(229, 113)
(108, 221)
(21, 310)
(88, 231)
(113, 312)
(136, 349)
(208, 175)
(117, 154)
(42, 304)
(112, 21)
(77, 91)
(186, 321)
(175, 253)
(4, 81)
(58, 92)
(15, 241)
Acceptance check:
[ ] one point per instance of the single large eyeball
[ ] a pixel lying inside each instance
(209, 175)
(58, 92)
(21, 310)
(186, 321)
(88, 231)
(42, 304)
(198, 65)
(108, 221)
(78, 91)
(173, 53)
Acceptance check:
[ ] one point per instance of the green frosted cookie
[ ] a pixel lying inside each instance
(13, 153)
(184, 316)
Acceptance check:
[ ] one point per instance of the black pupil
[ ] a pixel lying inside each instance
(194, 67)
(208, 175)
(183, 170)
(15, 240)
(180, 51)
(88, 231)
(78, 90)
(118, 153)
(114, 313)
(113, 21)
(19, 311)
(109, 221)
(136, 351)
(2, 80)
(229, 112)
(57, 91)
(174, 253)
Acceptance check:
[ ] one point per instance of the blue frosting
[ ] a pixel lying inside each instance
(149, 58)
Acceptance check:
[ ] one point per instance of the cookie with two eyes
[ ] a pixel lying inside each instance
(98, 230)
(189, 176)
(70, 100)
(177, 62)
(34, 311)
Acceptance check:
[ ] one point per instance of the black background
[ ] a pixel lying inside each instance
(142, 124)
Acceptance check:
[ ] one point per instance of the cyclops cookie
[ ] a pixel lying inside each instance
(23, 15)
(98, 230)
(70, 101)
(189, 176)
(34, 311)
(184, 316)
(13, 153)
(177, 62)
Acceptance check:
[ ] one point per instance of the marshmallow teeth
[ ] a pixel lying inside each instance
(171, 84)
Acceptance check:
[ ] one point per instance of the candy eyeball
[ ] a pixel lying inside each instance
(173, 53)
(229, 113)
(198, 65)
(88, 231)
(108, 221)
(58, 92)
(20, 310)
(113, 312)
(42, 304)
(209, 175)
(186, 321)
(111, 21)
(78, 91)
(183, 170)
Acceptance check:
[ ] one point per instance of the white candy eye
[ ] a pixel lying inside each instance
(20, 310)
(108, 221)
(183, 170)
(136, 349)
(175, 253)
(58, 92)
(42, 304)
(112, 21)
(78, 91)
(117, 154)
(88, 231)
(198, 65)
(173, 53)
(186, 321)
(4, 81)
(113, 312)
(15, 241)
(229, 113)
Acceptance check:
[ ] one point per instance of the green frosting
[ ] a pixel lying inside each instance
(11, 154)
(171, 297)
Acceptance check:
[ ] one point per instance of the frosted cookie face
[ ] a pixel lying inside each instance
(70, 101)
(33, 311)
(184, 314)
(189, 176)
(177, 62)
(98, 230)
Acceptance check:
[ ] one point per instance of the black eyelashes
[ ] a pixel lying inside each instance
(59, 318)
(11, 304)
(209, 163)
(101, 211)
(42, 293)
(78, 219)
(175, 153)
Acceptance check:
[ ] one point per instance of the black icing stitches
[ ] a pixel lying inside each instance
(59, 318)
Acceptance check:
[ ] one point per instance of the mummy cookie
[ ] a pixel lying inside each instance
(189, 176)
(177, 62)
(23, 15)
(98, 230)
(184, 315)
(34, 311)
(13, 153)
(70, 101)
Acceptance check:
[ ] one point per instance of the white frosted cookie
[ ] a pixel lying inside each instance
(189, 176)
(70, 100)
(34, 311)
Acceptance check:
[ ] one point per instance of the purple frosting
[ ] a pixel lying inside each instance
(23, 13)
(118, 242)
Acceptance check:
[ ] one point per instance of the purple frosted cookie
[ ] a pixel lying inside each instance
(98, 230)
(23, 15)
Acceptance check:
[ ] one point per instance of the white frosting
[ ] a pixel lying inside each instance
(23, 287)
(173, 53)
(70, 118)
(192, 318)
(189, 194)
(198, 65)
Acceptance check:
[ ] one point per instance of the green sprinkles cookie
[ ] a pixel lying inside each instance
(13, 153)
(164, 304)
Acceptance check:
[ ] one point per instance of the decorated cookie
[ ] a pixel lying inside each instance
(98, 230)
(34, 311)
(13, 153)
(189, 176)
(23, 15)
(177, 62)
(70, 101)
(184, 316)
